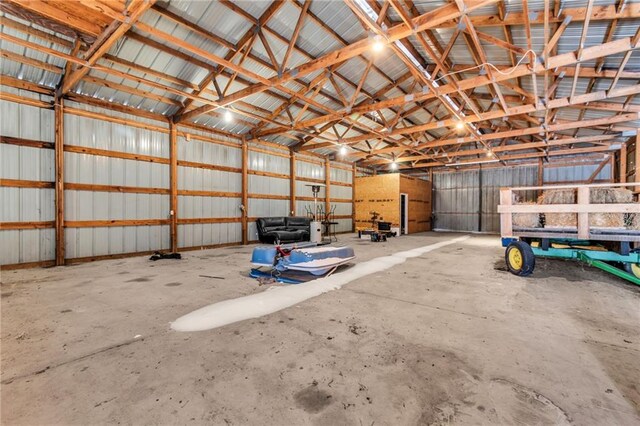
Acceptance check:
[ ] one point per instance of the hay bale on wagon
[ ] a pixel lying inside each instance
(609, 196)
(633, 221)
(597, 196)
(526, 220)
(559, 196)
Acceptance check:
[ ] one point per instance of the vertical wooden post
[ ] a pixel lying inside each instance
(292, 183)
(612, 166)
(353, 197)
(506, 219)
(623, 164)
(327, 182)
(637, 163)
(583, 218)
(173, 185)
(540, 175)
(245, 188)
(59, 179)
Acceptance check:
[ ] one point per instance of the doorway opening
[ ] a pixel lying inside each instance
(404, 214)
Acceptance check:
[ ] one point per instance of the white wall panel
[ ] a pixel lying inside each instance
(341, 175)
(27, 245)
(87, 205)
(339, 191)
(268, 185)
(208, 180)
(342, 208)
(24, 163)
(309, 170)
(206, 207)
(209, 153)
(268, 208)
(344, 225)
(99, 170)
(209, 234)
(84, 242)
(261, 161)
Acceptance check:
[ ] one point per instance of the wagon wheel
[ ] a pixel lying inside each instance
(520, 258)
(633, 269)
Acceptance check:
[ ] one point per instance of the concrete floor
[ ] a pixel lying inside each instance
(448, 337)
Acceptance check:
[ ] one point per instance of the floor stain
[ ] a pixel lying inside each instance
(139, 280)
(312, 399)
(173, 284)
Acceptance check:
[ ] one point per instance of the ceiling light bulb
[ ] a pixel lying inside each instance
(343, 150)
(489, 154)
(377, 45)
(394, 165)
(459, 125)
(228, 117)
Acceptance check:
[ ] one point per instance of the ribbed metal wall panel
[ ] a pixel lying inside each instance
(309, 170)
(207, 207)
(209, 153)
(101, 134)
(344, 225)
(341, 175)
(190, 178)
(89, 242)
(575, 173)
(209, 234)
(252, 232)
(342, 208)
(24, 163)
(268, 185)
(342, 192)
(339, 191)
(492, 181)
(455, 203)
(197, 179)
(101, 170)
(268, 208)
(263, 162)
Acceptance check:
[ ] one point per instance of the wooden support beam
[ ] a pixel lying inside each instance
(637, 163)
(428, 20)
(59, 179)
(354, 171)
(327, 189)
(105, 40)
(622, 178)
(292, 182)
(173, 184)
(618, 46)
(245, 190)
(597, 171)
(294, 36)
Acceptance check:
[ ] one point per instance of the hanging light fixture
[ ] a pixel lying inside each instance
(343, 150)
(228, 117)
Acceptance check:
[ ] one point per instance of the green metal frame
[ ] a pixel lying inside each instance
(594, 258)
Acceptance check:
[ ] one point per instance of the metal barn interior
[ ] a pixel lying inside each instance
(138, 128)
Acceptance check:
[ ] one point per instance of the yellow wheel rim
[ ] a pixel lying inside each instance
(635, 269)
(515, 259)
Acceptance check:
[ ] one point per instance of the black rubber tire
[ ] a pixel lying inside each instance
(528, 258)
(632, 271)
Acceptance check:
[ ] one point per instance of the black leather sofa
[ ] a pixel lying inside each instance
(283, 229)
